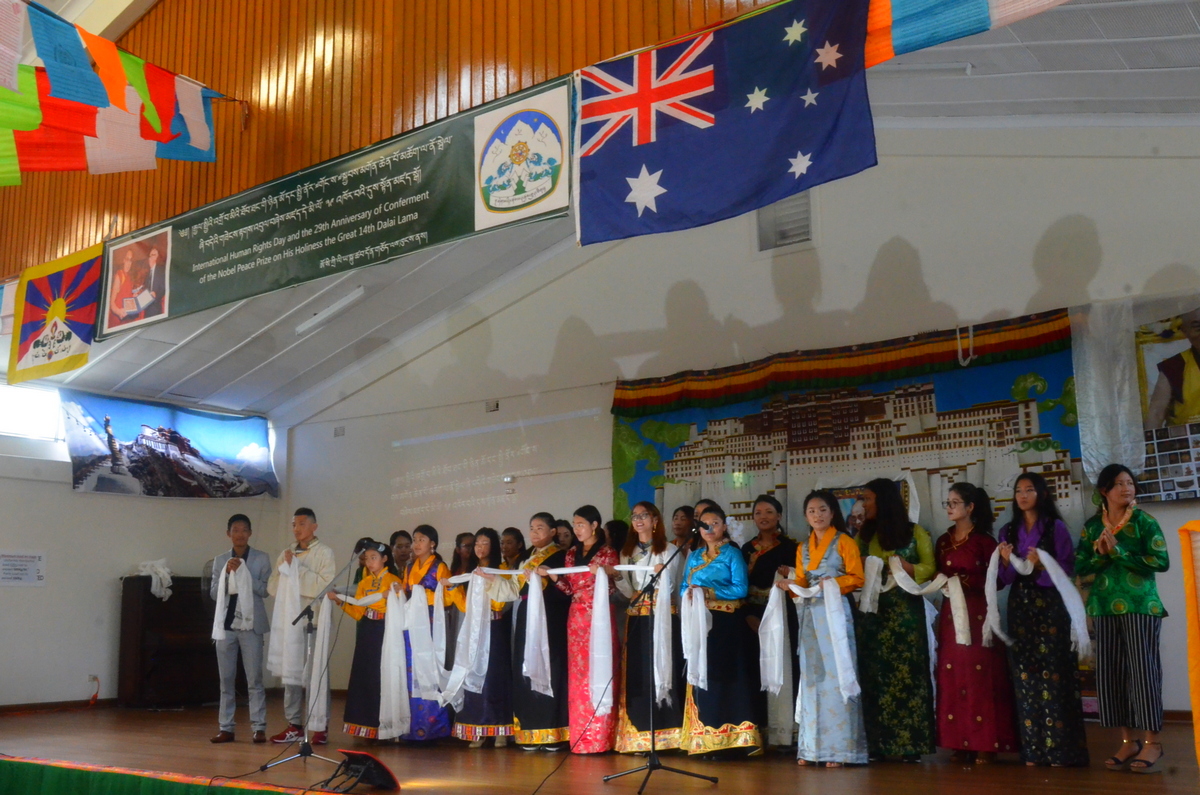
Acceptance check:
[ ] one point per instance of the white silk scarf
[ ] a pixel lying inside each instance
(243, 616)
(285, 652)
(395, 712)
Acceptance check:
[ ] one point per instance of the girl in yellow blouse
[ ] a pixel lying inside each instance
(368, 608)
(831, 727)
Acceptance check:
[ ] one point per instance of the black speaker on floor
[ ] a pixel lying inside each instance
(360, 768)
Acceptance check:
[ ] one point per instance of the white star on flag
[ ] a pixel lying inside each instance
(643, 189)
(810, 98)
(800, 164)
(828, 55)
(794, 31)
(757, 99)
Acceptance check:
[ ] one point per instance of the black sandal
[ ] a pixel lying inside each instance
(1116, 764)
(1142, 766)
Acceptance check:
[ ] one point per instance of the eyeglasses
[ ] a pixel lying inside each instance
(951, 504)
(638, 517)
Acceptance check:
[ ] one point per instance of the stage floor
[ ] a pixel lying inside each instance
(177, 742)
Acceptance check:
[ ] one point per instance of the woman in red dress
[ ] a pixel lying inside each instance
(589, 550)
(975, 702)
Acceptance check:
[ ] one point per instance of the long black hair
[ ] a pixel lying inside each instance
(981, 506)
(826, 496)
(1104, 481)
(1045, 507)
(778, 506)
(432, 534)
(513, 532)
(458, 567)
(891, 523)
(591, 515)
(493, 561)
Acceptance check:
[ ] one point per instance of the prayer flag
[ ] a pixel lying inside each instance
(895, 27)
(184, 147)
(118, 145)
(195, 106)
(60, 48)
(55, 316)
(723, 122)
(63, 114)
(12, 27)
(10, 169)
(135, 73)
(50, 149)
(161, 85)
(108, 65)
(20, 110)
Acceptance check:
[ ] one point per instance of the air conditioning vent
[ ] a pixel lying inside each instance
(491, 405)
(339, 431)
(786, 222)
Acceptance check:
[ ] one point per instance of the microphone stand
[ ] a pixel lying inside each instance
(652, 761)
(305, 751)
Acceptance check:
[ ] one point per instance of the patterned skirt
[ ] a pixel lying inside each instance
(893, 670)
(540, 719)
(362, 696)
(430, 720)
(634, 711)
(490, 713)
(726, 715)
(1045, 677)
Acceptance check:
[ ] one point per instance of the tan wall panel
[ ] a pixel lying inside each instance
(325, 77)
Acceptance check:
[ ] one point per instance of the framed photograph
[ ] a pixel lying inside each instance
(137, 282)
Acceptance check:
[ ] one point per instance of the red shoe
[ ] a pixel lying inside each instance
(291, 734)
(320, 738)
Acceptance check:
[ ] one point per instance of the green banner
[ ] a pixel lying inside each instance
(502, 163)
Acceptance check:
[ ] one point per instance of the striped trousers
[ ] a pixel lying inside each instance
(1129, 671)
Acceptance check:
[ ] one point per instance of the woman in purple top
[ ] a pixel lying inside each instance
(1049, 711)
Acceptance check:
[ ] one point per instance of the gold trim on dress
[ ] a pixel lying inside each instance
(471, 731)
(722, 605)
(696, 738)
(631, 741)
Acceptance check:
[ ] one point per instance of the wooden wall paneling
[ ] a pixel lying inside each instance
(324, 77)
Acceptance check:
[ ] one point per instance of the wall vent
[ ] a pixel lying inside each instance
(339, 431)
(786, 222)
(491, 405)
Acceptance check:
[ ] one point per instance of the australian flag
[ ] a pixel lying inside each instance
(724, 122)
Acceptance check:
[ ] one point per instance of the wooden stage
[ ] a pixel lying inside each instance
(177, 742)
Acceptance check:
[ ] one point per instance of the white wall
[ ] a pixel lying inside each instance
(953, 226)
(55, 636)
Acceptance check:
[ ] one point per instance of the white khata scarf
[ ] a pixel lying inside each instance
(537, 640)
(474, 644)
(427, 667)
(317, 674)
(395, 713)
(285, 653)
(664, 675)
(1080, 641)
(694, 624)
(243, 611)
(951, 588)
(600, 640)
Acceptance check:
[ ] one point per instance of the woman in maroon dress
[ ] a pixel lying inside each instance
(976, 717)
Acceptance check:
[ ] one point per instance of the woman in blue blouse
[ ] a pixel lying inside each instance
(726, 715)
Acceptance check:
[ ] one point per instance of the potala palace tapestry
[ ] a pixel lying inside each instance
(982, 404)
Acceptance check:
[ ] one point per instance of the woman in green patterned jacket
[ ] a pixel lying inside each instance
(1124, 547)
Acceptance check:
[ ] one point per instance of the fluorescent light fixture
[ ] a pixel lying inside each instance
(331, 311)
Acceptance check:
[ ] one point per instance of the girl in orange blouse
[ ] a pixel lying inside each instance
(368, 609)
(831, 728)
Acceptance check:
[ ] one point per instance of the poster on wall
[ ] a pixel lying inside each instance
(928, 411)
(147, 449)
(501, 163)
(1169, 386)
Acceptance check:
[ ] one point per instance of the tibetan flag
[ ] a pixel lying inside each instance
(55, 316)
(20, 110)
(896, 27)
(12, 30)
(184, 147)
(10, 167)
(108, 65)
(723, 122)
(63, 114)
(60, 48)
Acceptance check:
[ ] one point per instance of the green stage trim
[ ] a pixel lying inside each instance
(30, 776)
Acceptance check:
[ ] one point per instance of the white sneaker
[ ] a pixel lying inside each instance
(502, 741)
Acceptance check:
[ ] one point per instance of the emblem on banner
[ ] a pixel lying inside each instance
(522, 161)
(521, 158)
